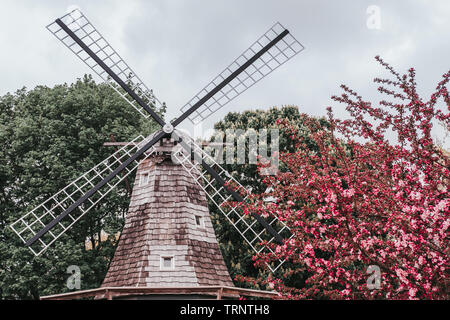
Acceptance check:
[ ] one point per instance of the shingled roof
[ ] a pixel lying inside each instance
(168, 217)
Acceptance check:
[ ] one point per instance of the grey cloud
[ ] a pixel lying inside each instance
(177, 47)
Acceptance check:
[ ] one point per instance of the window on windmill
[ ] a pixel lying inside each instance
(144, 178)
(167, 262)
(199, 221)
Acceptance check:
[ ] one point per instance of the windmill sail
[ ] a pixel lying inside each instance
(29, 225)
(75, 22)
(46, 223)
(168, 219)
(248, 226)
(271, 50)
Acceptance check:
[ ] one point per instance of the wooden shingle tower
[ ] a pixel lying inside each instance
(168, 239)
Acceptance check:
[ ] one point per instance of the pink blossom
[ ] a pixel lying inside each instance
(349, 193)
(399, 219)
(412, 292)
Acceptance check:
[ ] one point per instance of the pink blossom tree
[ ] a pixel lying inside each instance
(369, 215)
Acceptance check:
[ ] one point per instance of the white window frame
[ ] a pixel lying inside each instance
(144, 176)
(161, 264)
(202, 221)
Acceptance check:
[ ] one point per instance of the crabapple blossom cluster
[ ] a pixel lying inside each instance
(354, 196)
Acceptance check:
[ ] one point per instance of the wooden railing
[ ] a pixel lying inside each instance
(109, 293)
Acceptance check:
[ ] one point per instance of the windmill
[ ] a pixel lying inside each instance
(43, 225)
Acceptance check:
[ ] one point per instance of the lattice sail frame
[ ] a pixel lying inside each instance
(28, 225)
(80, 25)
(279, 54)
(247, 226)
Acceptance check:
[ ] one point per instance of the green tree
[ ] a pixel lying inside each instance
(236, 252)
(49, 137)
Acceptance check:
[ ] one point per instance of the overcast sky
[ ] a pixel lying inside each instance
(178, 46)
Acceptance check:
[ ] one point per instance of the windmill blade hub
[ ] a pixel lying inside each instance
(168, 128)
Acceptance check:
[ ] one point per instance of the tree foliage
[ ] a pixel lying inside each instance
(237, 253)
(364, 202)
(49, 137)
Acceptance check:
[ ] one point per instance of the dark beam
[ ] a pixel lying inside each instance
(111, 73)
(237, 197)
(230, 78)
(88, 194)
